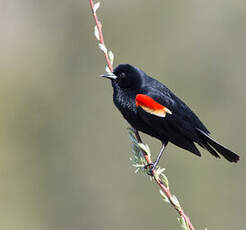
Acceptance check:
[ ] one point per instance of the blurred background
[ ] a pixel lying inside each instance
(64, 161)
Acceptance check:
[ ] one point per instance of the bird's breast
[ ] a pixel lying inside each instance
(125, 102)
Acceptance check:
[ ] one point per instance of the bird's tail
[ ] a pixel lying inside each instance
(214, 147)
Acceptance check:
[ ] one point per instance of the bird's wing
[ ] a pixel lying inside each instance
(155, 102)
(149, 105)
(156, 106)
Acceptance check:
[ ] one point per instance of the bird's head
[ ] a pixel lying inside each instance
(126, 76)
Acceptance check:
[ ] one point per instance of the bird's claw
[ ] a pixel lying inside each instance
(148, 166)
(151, 168)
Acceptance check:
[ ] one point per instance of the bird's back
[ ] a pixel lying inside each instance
(179, 108)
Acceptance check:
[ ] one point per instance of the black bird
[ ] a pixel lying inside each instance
(150, 107)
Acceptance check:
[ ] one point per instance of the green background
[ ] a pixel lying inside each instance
(64, 149)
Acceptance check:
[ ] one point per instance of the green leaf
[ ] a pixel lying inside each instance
(132, 138)
(102, 47)
(96, 6)
(183, 223)
(164, 196)
(164, 180)
(107, 69)
(145, 148)
(175, 201)
(96, 33)
(111, 57)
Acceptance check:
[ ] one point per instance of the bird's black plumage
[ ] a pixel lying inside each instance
(152, 108)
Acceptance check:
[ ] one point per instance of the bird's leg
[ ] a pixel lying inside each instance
(164, 144)
(140, 141)
(154, 165)
(137, 135)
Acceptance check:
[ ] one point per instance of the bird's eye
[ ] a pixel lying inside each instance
(122, 75)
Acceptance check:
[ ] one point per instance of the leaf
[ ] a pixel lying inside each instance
(145, 148)
(102, 47)
(96, 33)
(158, 172)
(164, 196)
(161, 170)
(175, 201)
(111, 57)
(132, 137)
(130, 129)
(183, 223)
(164, 179)
(107, 69)
(96, 6)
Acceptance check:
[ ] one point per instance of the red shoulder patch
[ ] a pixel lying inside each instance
(151, 106)
(144, 100)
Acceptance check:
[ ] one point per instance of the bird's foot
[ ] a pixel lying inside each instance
(151, 167)
(148, 166)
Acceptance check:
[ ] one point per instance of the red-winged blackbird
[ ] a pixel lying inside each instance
(150, 107)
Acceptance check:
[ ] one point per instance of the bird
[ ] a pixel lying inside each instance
(151, 108)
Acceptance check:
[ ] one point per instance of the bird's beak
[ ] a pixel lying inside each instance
(109, 76)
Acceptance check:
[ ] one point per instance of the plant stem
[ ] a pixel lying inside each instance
(101, 39)
(163, 187)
